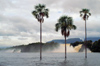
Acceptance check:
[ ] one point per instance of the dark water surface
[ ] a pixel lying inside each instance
(49, 59)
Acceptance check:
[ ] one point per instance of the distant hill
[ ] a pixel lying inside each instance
(62, 41)
(93, 38)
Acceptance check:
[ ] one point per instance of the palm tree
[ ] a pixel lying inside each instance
(85, 15)
(40, 12)
(65, 23)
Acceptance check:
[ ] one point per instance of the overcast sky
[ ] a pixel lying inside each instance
(18, 25)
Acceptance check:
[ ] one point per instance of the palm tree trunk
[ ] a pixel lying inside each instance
(40, 40)
(85, 40)
(65, 48)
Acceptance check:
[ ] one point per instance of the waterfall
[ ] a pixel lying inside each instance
(61, 48)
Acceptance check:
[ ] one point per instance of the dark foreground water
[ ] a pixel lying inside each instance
(49, 59)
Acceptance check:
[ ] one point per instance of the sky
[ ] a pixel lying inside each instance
(18, 25)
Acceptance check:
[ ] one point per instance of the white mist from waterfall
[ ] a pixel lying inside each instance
(61, 48)
(11, 50)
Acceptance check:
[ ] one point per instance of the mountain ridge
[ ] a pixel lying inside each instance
(62, 41)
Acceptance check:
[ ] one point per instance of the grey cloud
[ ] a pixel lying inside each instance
(16, 19)
(75, 5)
(5, 4)
(22, 38)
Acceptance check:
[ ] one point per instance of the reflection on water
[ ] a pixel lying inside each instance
(49, 59)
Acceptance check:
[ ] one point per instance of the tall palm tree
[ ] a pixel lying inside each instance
(40, 12)
(84, 13)
(65, 23)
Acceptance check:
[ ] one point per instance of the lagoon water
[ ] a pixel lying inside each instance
(54, 58)
(49, 59)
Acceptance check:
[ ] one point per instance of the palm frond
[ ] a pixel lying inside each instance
(89, 14)
(35, 14)
(57, 26)
(47, 15)
(62, 19)
(81, 12)
(42, 6)
(46, 12)
(86, 13)
(85, 10)
(69, 21)
(87, 17)
(81, 15)
(36, 7)
(74, 27)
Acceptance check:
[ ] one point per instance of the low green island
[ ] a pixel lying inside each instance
(35, 47)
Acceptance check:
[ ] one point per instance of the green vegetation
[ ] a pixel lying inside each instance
(93, 46)
(96, 46)
(76, 43)
(34, 47)
(18, 47)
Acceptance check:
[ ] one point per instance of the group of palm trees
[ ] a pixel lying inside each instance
(65, 23)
